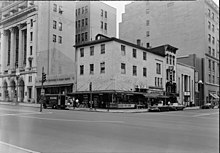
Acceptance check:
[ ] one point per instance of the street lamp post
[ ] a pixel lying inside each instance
(17, 77)
(200, 91)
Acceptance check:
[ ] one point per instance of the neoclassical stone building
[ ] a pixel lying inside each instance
(36, 34)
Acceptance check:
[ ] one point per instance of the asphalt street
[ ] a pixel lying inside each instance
(25, 129)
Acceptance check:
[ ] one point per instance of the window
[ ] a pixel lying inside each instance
(213, 28)
(82, 22)
(31, 49)
(60, 39)
(101, 25)
(75, 38)
(60, 26)
(148, 33)
(102, 67)
(209, 77)
(147, 11)
(209, 24)
(173, 60)
(167, 74)
(213, 40)
(102, 48)
(213, 16)
(55, 7)
(78, 38)
(86, 21)
(134, 70)
(161, 82)
(91, 68)
(105, 26)
(148, 45)
(76, 24)
(123, 68)
(30, 63)
(79, 24)
(29, 93)
(81, 52)
(31, 36)
(209, 37)
(134, 53)
(213, 78)
(213, 65)
(158, 68)
(101, 12)
(60, 10)
(86, 36)
(81, 69)
(54, 24)
(123, 50)
(82, 10)
(31, 22)
(174, 76)
(86, 9)
(78, 11)
(167, 58)
(209, 12)
(209, 65)
(209, 50)
(105, 14)
(213, 52)
(147, 23)
(145, 72)
(30, 79)
(54, 38)
(91, 50)
(170, 59)
(144, 55)
(82, 36)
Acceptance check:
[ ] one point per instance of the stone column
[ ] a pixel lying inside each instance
(4, 52)
(12, 49)
(20, 48)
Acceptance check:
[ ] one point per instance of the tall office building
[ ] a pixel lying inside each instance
(92, 18)
(191, 26)
(36, 35)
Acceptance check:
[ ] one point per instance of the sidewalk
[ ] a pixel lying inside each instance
(94, 110)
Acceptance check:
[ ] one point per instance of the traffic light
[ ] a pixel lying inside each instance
(44, 77)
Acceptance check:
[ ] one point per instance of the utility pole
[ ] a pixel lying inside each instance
(90, 89)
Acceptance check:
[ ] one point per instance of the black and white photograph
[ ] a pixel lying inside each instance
(109, 76)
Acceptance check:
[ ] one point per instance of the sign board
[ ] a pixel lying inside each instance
(126, 105)
(42, 91)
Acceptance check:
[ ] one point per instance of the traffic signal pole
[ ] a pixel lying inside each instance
(43, 79)
(41, 89)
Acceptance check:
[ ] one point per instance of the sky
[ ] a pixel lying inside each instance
(120, 6)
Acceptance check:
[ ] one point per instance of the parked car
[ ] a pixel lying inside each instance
(207, 106)
(176, 106)
(154, 108)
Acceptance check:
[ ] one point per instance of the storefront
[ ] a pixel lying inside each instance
(117, 99)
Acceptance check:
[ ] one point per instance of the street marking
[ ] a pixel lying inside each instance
(21, 114)
(53, 119)
(17, 147)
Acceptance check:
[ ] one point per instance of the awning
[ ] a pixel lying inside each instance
(214, 95)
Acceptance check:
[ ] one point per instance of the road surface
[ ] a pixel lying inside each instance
(25, 129)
